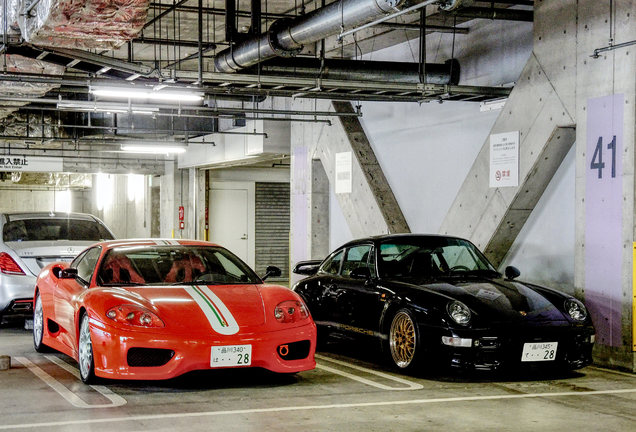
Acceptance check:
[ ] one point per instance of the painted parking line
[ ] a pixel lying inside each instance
(409, 384)
(150, 417)
(71, 397)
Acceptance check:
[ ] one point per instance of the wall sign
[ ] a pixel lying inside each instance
(23, 163)
(604, 216)
(504, 159)
(343, 172)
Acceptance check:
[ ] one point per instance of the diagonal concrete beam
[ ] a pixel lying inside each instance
(529, 193)
(372, 171)
(493, 217)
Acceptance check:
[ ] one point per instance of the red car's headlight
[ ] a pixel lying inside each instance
(291, 311)
(135, 316)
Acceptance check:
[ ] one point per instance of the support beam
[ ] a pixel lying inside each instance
(479, 212)
(372, 171)
(529, 192)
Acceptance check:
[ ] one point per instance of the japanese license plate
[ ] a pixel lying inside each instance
(231, 355)
(539, 351)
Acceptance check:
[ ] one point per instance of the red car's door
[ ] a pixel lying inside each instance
(67, 291)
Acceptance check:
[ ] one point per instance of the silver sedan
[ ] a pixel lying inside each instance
(30, 241)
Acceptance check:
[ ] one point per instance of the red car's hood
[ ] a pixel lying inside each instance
(221, 308)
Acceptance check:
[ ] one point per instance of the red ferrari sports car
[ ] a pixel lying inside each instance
(155, 309)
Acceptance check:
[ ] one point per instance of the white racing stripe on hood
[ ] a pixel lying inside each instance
(218, 315)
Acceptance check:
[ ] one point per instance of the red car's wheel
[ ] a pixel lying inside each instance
(85, 350)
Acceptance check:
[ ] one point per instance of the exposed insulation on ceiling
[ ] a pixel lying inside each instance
(87, 24)
(12, 14)
(17, 63)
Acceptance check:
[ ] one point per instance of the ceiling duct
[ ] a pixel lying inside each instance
(19, 64)
(337, 69)
(86, 24)
(286, 37)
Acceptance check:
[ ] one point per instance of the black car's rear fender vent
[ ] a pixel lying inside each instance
(294, 351)
(149, 357)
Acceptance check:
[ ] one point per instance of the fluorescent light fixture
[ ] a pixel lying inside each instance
(171, 94)
(492, 105)
(153, 149)
(107, 107)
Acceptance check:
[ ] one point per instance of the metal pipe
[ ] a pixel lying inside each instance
(429, 28)
(387, 17)
(183, 110)
(287, 37)
(221, 12)
(495, 14)
(164, 13)
(597, 51)
(339, 69)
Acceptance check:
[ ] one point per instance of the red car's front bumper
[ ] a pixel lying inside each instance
(183, 354)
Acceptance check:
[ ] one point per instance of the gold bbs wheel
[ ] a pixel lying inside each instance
(402, 339)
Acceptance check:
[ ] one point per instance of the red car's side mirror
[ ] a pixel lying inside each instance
(68, 273)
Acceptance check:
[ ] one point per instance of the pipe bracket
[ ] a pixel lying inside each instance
(277, 26)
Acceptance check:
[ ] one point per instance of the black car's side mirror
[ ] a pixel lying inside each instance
(68, 273)
(361, 273)
(512, 272)
(271, 271)
(307, 268)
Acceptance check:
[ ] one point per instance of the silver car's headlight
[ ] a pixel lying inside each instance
(576, 310)
(459, 312)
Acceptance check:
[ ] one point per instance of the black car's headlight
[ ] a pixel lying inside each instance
(575, 309)
(459, 312)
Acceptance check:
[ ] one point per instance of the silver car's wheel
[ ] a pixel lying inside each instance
(38, 325)
(403, 339)
(85, 349)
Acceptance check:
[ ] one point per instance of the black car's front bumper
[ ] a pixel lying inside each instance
(493, 349)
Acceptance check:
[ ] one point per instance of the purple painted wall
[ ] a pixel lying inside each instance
(604, 216)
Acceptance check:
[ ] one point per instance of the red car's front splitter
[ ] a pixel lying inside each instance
(110, 351)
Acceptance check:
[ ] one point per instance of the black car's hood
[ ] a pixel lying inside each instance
(496, 300)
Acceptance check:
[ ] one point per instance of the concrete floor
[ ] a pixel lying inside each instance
(348, 391)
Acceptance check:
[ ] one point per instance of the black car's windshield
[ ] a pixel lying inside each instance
(430, 257)
(54, 229)
(173, 265)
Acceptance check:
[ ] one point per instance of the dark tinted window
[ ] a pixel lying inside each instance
(170, 265)
(332, 265)
(357, 256)
(54, 229)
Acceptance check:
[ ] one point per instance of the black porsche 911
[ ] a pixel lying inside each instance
(437, 299)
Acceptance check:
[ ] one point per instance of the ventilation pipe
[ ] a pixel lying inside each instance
(286, 37)
(361, 70)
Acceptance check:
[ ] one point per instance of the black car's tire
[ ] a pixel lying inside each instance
(403, 342)
(85, 352)
(39, 325)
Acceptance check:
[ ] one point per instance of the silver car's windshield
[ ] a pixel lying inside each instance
(430, 257)
(54, 229)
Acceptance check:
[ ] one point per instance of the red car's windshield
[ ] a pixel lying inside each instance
(170, 265)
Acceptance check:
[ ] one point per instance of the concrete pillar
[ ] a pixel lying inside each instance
(167, 197)
(319, 211)
(563, 87)
(370, 208)
(606, 118)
